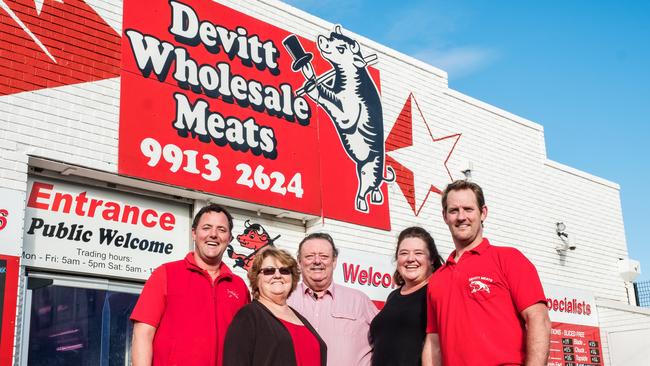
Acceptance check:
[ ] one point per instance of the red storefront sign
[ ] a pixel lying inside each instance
(212, 100)
(8, 298)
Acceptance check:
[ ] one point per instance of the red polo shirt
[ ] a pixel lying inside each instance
(190, 311)
(475, 305)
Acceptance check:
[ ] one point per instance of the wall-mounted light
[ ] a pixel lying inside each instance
(560, 229)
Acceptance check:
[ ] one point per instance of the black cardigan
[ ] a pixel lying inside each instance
(257, 338)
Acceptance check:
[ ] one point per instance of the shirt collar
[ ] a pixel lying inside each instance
(479, 249)
(309, 292)
(190, 263)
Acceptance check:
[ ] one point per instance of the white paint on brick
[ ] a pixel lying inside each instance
(616, 317)
(72, 128)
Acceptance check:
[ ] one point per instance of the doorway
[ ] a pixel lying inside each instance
(77, 321)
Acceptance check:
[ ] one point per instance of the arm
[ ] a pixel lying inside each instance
(538, 334)
(146, 317)
(370, 311)
(431, 355)
(239, 345)
(142, 344)
(528, 295)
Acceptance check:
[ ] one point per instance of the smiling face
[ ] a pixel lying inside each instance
(464, 218)
(275, 287)
(413, 261)
(211, 237)
(317, 264)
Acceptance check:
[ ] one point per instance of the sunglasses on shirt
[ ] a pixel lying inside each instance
(270, 271)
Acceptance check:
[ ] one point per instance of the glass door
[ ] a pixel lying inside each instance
(77, 321)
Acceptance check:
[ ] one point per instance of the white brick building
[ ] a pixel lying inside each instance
(61, 122)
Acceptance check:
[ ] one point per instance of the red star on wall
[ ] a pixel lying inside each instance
(419, 159)
(54, 44)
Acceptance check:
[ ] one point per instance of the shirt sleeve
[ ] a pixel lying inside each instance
(152, 301)
(239, 345)
(432, 325)
(523, 280)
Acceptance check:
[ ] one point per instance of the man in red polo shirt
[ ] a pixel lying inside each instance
(486, 305)
(186, 306)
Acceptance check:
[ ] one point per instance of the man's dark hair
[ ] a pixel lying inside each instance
(461, 185)
(324, 236)
(213, 207)
(420, 233)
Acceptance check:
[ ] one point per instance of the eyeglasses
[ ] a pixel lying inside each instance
(270, 271)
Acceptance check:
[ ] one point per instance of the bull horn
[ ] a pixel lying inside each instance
(337, 29)
(355, 47)
(247, 224)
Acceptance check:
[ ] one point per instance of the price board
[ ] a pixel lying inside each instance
(575, 334)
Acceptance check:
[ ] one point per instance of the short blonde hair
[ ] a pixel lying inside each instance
(283, 257)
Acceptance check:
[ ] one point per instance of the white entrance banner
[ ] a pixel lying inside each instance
(91, 230)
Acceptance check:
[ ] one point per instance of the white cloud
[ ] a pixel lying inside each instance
(432, 36)
(459, 61)
(426, 30)
(424, 20)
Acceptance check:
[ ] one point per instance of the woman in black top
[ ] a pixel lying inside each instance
(397, 333)
(267, 332)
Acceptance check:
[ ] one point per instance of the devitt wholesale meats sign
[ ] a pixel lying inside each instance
(82, 229)
(218, 101)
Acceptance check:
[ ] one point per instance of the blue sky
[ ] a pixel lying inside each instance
(579, 68)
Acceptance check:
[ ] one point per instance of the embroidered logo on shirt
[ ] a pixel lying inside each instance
(477, 286)
(233, 294)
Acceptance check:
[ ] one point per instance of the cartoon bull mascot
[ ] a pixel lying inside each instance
(254, 237)
(350, 97)
(477, 286)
